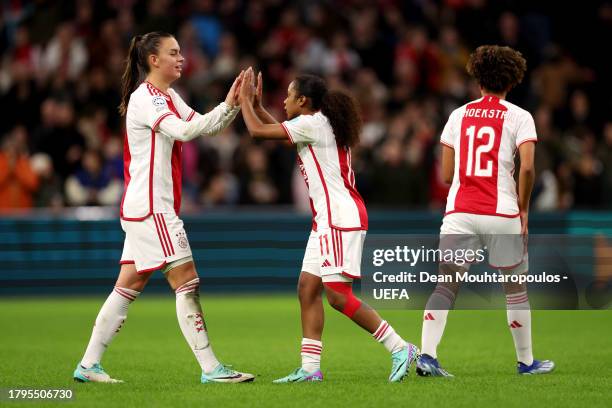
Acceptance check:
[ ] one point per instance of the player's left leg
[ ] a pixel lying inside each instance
(338, 282)
(109, 322)
(310, 289)
(183, 279)
(508, 252)
(340, 296)
(519, 322)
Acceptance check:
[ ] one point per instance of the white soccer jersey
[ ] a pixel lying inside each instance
(485, 135)
(152, 160)
(327, 171)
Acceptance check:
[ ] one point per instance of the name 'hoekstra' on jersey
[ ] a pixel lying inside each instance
(485, 135)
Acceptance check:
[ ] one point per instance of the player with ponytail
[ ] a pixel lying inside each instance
(157, 123)
(324, 125)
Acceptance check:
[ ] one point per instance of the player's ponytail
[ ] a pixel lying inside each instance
(340, 108)
(136, 66)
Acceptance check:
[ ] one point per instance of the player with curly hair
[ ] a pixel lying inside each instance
(484, 208)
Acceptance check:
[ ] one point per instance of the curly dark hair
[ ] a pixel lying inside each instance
(497, 69)
(340, 108)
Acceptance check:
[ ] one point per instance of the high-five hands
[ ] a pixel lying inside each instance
(258, 100)
(247, 88)
(232, 96)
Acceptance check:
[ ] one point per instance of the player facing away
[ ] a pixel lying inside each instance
(479, 143)
(158, 122)
(324, 125)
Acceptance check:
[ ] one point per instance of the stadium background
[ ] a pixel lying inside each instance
(245, 203)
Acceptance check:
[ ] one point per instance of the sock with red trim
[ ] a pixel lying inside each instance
(110, 319)
(386, 335)
(191, 321)
(311, 355)
(519, 321)
(434, 319)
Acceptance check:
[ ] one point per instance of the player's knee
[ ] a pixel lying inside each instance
(340, 297)
(308, 289)
(335, 299)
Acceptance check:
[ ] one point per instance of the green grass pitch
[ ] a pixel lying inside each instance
(43, 339)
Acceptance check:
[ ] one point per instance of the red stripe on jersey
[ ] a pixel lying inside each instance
(477, 193)
(177, 174)
(190, 115)
(177, 164)
(162, 117)
(314, 157)
(155, 90)
(151, 166)
(127, 158)
(126, 262)
(344, 158)
(287, 132)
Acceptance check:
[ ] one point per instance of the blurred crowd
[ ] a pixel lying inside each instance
(61, 138)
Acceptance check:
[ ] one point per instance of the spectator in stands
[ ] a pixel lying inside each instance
(18, 181)
(93, 184)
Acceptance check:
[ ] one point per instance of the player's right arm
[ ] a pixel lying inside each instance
(526, 182)
(209, 124)
(447, 140)
(261, 112)
(526, 139)
(448, 164)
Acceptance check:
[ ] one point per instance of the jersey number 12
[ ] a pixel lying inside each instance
(474, 159)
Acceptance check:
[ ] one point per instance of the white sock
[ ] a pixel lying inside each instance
(434, 319)
(191, 320)
(108, 323)
(311, 355)
(519, 321)
(386, 335)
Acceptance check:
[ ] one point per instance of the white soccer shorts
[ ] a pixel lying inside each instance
(152, 243)
(334, 255)
(500, 236)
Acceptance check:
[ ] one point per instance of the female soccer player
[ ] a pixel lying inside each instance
(158, 122)
(484, 208)
(324, 125)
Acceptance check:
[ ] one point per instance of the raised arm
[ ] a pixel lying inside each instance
(209, 124)
(260, 111)
(257, 128)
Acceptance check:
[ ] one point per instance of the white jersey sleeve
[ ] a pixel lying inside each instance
(209, 124)
(302, 129)
(525, 131)
(185, 111)
(153, 109)
(449, 133)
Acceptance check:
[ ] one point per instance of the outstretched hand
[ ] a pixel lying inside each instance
(232, 96)
(247, 88)
(258, 100)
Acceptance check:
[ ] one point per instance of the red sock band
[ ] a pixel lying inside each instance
(346, 289)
